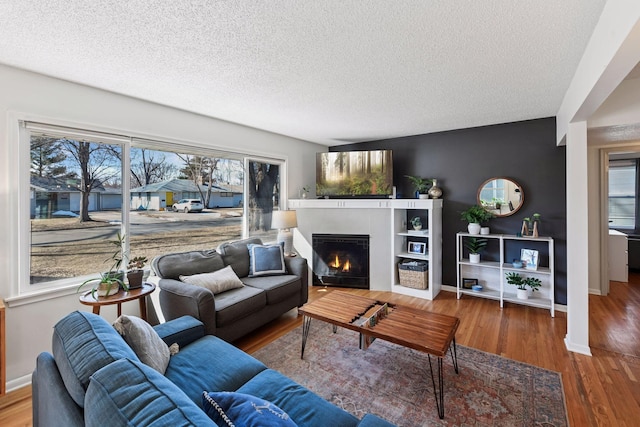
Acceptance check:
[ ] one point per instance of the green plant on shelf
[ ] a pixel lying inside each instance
(523, 282)
(476, 214)
(475, 245)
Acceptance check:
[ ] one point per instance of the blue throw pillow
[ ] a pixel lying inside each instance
(265, 260)
(243, 410)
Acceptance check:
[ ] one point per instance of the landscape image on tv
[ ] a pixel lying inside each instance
(354, 174)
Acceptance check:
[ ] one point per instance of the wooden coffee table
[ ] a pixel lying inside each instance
(421, 330)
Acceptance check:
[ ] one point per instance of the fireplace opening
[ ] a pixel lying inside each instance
(341, 260)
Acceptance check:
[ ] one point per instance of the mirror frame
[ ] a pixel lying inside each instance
(515, 208)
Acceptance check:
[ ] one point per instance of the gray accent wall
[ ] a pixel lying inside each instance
(463, 159)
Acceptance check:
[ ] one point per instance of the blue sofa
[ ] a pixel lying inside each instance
(94, 378)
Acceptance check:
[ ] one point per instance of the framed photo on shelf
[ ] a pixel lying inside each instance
(468, 283)
(417, 248)
(529, 258)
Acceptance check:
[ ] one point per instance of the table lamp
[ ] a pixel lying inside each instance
(284, 221)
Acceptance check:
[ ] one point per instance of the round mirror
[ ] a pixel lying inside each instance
(501, 196)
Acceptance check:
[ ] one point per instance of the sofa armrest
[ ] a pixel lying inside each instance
(183, 330)
(52, 404)
(298, 266)
(179, 299)
(371, 420)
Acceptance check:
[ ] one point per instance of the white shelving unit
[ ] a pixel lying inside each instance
(430, 211)
(491, 274)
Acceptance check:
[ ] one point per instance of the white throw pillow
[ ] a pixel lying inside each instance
(217, 281)
(145, 342)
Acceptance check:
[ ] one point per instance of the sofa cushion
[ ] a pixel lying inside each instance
(277, 288)
(218, 281)
(237, 303)
(266, 260)
(303, 406)
(231, 409)
(144, 341)
(236, 254)
(211, 364)
(83, 343)
(171, 266)
(128, 393)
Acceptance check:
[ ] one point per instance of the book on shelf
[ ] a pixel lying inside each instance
(372, 316)
(365, 341)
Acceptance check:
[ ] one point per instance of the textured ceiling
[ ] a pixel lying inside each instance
(328, 71)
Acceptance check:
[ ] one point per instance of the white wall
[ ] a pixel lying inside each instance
(29, 326)
(610, 55)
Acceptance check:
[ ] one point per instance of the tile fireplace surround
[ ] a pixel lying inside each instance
(372, 217)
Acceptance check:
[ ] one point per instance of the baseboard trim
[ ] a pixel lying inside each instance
(577, 348)
(18, 383)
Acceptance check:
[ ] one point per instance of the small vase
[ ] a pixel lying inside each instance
(435, 191)
(485, 230)
(474, 258)
(423, 196)
(104, 290)
(134, 278)
(525, 228)
(473, 228)
(535, 229)
(522, 294)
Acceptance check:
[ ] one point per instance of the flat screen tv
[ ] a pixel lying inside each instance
(354, 174)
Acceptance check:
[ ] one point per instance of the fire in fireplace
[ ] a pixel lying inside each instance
(341, 260)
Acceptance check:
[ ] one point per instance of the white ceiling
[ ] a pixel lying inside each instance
(328, 71)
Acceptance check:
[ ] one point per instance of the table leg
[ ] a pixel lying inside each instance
(438, 392)
(119, 309)
(96, 309)
(306, 324)
(143, 308)
(454, 355)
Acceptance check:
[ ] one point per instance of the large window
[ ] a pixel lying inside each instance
(86, 187)
(622, 193)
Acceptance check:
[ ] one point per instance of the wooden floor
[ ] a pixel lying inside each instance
(602, 390)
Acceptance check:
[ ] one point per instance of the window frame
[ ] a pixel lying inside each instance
(636, 219)
(21, 290)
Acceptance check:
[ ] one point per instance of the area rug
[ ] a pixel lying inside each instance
(394, 382)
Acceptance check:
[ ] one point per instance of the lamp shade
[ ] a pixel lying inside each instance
(284, 219)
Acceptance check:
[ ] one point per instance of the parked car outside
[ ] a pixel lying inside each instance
(188, 205)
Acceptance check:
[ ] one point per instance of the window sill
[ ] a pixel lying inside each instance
(40, 295)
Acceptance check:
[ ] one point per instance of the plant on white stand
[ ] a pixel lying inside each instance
(475, 215)
(475, 245)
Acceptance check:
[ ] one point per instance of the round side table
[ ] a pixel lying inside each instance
(122, 296)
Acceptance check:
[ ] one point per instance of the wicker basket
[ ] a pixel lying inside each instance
(414, 276)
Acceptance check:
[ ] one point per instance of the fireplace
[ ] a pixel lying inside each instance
(341, 260)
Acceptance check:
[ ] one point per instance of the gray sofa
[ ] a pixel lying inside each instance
(236, 312)
(95, 378)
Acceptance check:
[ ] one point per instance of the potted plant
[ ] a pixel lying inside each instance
(522, 283)
(416, 223)
(517, 280)
(475, 215)
(110, 281)
(421, 185)
(135, 271)
(305, 191)
(105, 285)
(116, 258)
(475, 245)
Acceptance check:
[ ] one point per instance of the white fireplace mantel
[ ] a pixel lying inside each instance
(374, 217)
